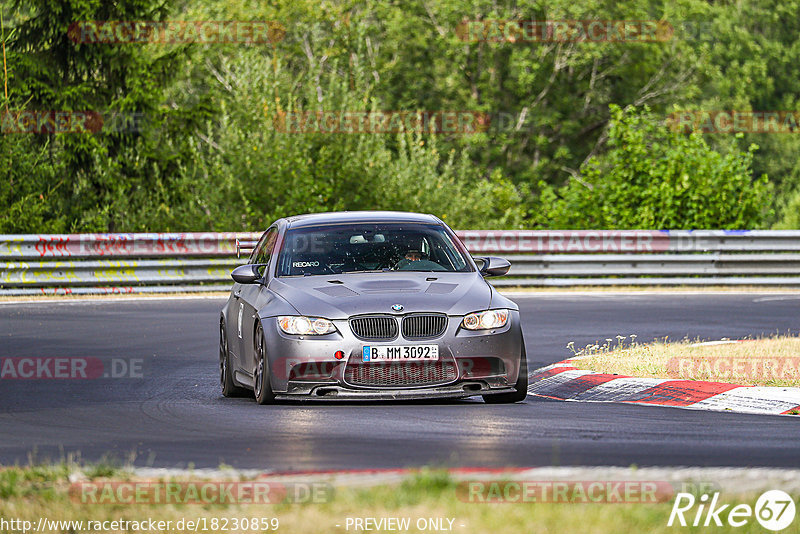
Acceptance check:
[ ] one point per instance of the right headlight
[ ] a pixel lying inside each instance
(305, 326)
(485, 320)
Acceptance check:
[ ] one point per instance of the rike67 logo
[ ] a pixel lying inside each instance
(774, 510)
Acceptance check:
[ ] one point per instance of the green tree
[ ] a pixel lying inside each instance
(266, 173)
(210, 157)
(109, 178)
(653, 177)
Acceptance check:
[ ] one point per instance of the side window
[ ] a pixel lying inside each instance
(263, 251)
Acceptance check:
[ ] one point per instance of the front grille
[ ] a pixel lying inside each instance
(424, 326)
(378, 327)
(394, 374)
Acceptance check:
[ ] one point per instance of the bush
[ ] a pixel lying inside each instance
(652, 177)
(259, 173)
(790, 212)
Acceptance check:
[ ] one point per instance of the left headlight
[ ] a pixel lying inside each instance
(305, 326)
(485, 320)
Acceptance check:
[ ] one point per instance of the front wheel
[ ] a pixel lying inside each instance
(520, 388)
(262, 387)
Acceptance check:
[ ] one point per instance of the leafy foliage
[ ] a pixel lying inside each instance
(652, 177)
(209, 156)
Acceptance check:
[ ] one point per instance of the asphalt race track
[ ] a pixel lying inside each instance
(175, 416)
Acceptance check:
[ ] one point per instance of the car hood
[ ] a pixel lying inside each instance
(345, 295)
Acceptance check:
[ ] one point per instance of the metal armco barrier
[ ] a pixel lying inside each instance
(120, 245)
(185, 262)
(629, 241)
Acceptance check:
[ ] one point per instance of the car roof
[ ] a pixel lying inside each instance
(344, 217)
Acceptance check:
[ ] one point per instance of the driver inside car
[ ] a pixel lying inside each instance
(416, 260)
(414, 255)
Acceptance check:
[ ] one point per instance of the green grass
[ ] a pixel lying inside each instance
(42, 491)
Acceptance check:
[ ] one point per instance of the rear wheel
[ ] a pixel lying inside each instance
(262, 387)
(229, 388)
(520, 388)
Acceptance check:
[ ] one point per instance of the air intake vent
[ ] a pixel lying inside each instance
(399, 374)
(375, 328)
(424, 326)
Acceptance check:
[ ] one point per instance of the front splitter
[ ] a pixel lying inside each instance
(339, 393)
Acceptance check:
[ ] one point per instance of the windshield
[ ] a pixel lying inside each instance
(336, 249)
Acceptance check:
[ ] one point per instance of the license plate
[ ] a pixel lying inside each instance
(385, 353)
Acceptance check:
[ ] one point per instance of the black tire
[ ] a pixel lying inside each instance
(262, 387)
(229, 387)
(520, 388)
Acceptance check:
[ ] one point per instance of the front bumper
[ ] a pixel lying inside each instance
(487, 362)
(459, 389)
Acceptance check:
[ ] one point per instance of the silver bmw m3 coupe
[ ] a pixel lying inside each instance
(369, 305)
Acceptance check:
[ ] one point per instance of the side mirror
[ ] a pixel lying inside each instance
(246, 274)
(493, 266)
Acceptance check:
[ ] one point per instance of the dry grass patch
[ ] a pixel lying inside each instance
(760, 362)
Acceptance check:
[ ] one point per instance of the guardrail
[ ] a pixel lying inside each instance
(182, 262)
